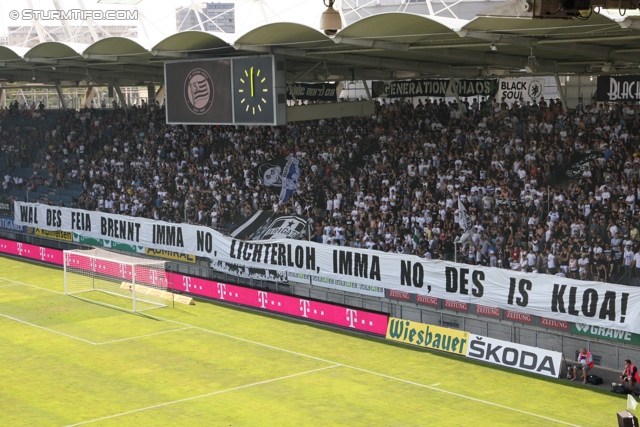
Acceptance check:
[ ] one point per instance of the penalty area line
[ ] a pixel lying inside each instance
(143, 336)
(173, 402)
(318, 359)
(16, 282)
(47, 329)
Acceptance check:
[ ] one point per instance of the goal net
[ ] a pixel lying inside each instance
(116, 280)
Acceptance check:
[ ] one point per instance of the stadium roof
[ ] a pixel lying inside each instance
(383, 46)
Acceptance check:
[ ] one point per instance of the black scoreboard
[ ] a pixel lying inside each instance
(242, 90)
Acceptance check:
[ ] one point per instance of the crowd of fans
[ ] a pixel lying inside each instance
(388, 182)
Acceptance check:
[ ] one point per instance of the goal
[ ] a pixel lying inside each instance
(115, 280)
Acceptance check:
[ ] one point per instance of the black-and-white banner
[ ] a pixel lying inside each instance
(433, 87)
(281, 174)
(327, 92)
(579, 162)
(264, 225)
(361, 270)
(6, 207)
(520, 89)
(614, 88)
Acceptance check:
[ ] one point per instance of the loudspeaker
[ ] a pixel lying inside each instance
(627, 419)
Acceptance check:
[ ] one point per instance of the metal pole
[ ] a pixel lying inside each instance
(561, 92)
(133, 286)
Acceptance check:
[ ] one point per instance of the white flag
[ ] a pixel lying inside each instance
(465, 222)
(631, 402)
(463, 217)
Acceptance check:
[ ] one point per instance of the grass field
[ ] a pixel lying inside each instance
(69, 362)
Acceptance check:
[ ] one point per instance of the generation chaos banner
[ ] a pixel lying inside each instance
(433, 87)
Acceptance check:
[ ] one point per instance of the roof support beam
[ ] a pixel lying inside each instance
(574, 46)
(123, 100)
(370, 43)
(60, 96)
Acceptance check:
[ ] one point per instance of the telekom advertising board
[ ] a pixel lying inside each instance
(359, 320)
(347, 317)
(53, 256)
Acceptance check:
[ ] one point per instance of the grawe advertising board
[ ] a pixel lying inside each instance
(359, 320)
(362, 271)
(605, 333)
(429, 336)
(512, 355)
(53, 256)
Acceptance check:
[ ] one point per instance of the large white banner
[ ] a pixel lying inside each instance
(359, 270)
(504, 353)
(523, 88)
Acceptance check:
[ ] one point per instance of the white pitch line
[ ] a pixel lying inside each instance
(374, 373)
(143, 336)
(47, 329)
(30, 285)
(205, 395)
(326, 361)
(486, 402)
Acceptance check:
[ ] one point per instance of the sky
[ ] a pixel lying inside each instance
(158, 16)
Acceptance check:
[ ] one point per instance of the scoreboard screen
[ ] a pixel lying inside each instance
(242, 90)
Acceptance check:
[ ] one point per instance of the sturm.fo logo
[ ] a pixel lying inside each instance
(198, 91)
(535, 89)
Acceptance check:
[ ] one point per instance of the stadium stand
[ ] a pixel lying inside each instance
(548, 190)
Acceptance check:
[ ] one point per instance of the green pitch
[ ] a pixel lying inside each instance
(69, 362)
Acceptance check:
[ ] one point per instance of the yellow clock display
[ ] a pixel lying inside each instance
(253, 90)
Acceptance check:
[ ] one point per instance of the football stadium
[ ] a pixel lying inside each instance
(324, 212)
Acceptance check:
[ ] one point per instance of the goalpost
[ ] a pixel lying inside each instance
(115, 280)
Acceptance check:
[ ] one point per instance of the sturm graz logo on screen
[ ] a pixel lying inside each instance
(198, 91)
